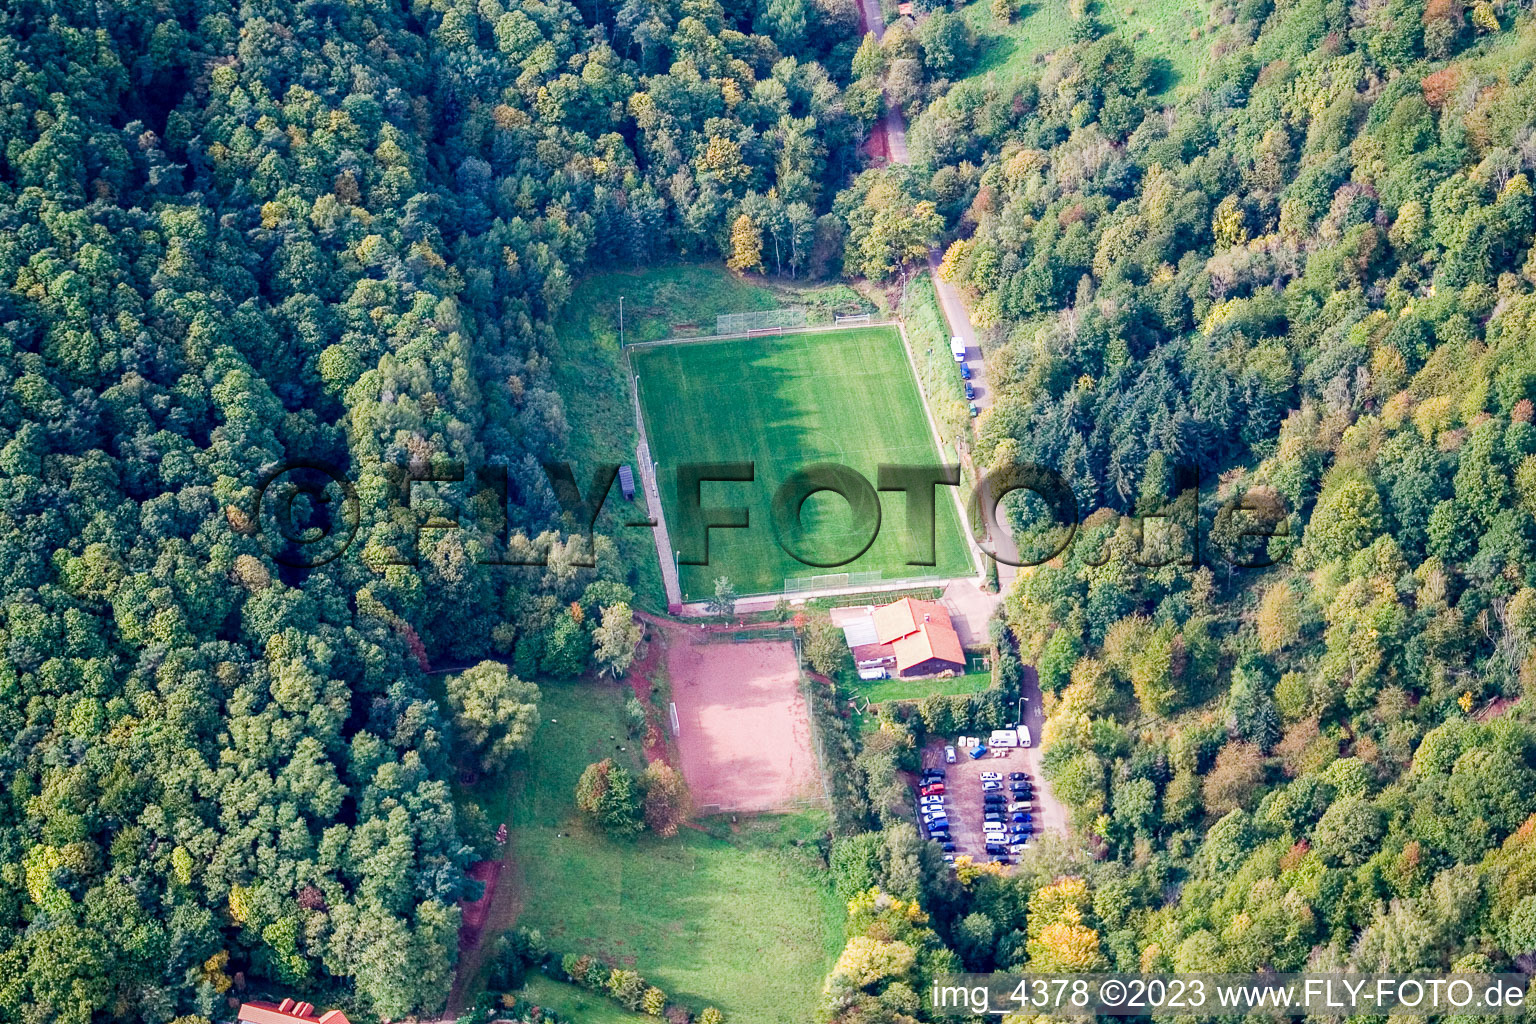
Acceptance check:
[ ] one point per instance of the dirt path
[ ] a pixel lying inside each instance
(888, 137)
(505, 905)
(664, 552)
(639, 680)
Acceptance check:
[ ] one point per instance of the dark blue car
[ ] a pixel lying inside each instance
(965, 371)
(1019, 816)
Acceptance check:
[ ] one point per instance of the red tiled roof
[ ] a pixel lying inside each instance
(929, 641)
(918, 631)
(287, 1012)
(900, 618)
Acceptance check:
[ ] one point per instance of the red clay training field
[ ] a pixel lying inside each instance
(745, 732)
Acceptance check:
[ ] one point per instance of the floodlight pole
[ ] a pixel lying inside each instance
(621, 321)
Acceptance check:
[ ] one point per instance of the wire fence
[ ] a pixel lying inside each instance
(830, 580)
(840, 580)
(759, 319)
(744, 636)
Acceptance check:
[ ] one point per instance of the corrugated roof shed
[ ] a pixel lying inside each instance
(860, 631)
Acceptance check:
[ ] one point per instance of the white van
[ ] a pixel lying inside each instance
(957, 348)
(1023, 735)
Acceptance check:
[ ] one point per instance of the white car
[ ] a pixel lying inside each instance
(991, 787)
(930, 803)
(949, 755)
(991, 777)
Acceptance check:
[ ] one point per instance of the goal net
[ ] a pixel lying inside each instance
(757, 320)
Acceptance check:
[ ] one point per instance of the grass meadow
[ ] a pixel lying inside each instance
(741, 917)
(1172, 31)
(878, 691)
(785, 403)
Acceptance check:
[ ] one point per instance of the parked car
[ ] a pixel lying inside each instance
(1017, 776)
(948, 847)
(991, 787)
(1019, 816)
(996, 849)
(991, 777)
(965, 371)
(970, 392)
(933, 814)
(1020, 787)
(949, 755)
(1019, 806)
(937, 789)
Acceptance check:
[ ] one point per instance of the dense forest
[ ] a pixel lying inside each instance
(240, 237)
(236, 236)
(1309, 281)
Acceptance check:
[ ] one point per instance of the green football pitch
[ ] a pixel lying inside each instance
(786, 403)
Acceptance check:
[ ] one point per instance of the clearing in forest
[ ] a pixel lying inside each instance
(785, 403)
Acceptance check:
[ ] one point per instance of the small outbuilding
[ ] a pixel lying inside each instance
(627, 483)
(921, 637)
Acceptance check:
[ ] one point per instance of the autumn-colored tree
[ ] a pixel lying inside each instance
(1058, 939)
(1279, 618)
(667, 804)
(606, 794)
(653, 1001)
(627, 987)
(746, 245)
(1234, 779)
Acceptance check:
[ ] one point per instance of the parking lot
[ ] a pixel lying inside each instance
(963, 797)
